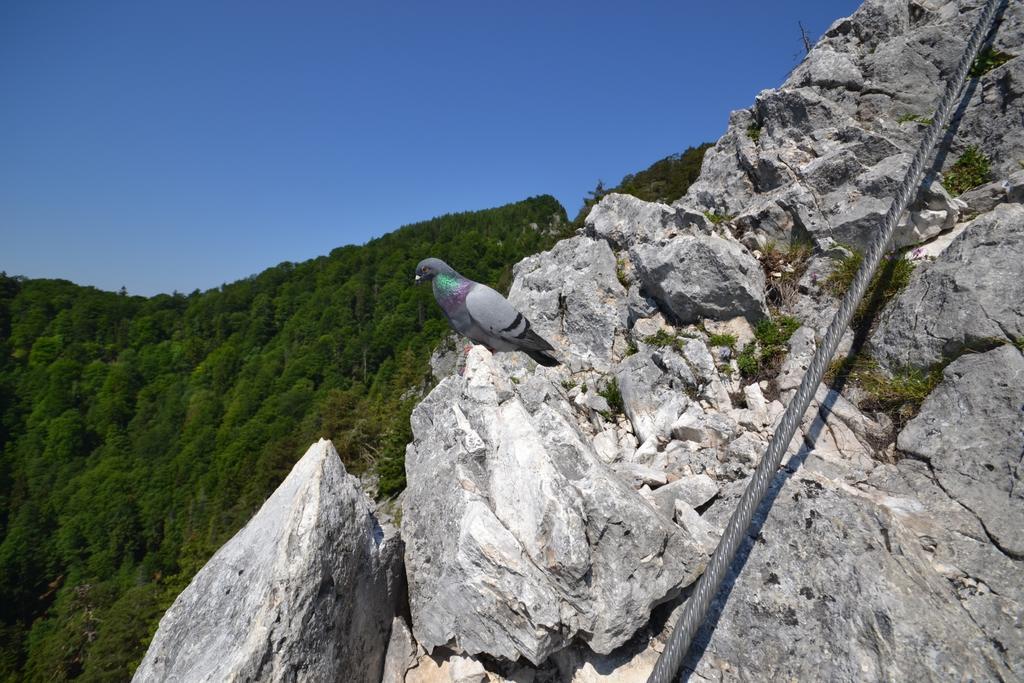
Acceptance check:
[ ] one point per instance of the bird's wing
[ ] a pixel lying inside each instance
(501, 322)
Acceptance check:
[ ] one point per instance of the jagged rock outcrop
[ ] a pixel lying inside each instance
(972, 296)
(307, 589)
(518, 538)
(820, 156)
(551, 511)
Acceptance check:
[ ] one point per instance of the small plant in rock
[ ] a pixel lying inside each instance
(1019, 343)
(620, 272)
(613, 396)
(754, 132)
(631, 348)
(783, 268)
(969, 171)
(717, 218)
(899, 395)
(891, 277)
(727, 340)
(915, 118)
(568, 384)
(761, 358)
(988, 59)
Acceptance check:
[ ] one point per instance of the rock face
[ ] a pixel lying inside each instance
(819, 157)
(518, 538)
(953, 304)
(971, 431)
(307, 589)
(837, 587)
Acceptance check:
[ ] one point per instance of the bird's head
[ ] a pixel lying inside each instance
(429, 268)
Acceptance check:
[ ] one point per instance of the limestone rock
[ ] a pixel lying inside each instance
(837, 577)
(574, 300)
(307, 588)
(653, 384)
(518, 538)
(401, 653)
(971, 431)
(820, 156)
(702, 276)
(972, 294)
(624, 220)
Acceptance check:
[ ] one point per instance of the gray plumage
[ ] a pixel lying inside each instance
(481, 314)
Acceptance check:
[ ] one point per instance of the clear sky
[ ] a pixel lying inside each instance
(175, 145)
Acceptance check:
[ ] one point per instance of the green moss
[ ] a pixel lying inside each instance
(969, 171)
(754, 132)
(747, 360)
(663, 338)
(989, 59)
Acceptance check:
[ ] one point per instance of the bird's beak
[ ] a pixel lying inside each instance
(418, 279)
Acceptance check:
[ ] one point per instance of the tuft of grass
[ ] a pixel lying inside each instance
(728, 340)
(754, 132)
(717, 218)
(892, 277)
(568, 384)
(790, 263)
(898, 395)
(1019, 343)
(663, 338)
(916, 118)
(631, 348)
(620, 273)
(761, 358)
(988, 59)
(747, 360)
(613, 395)
(969, 171)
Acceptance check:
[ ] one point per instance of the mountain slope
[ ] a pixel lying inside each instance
(139, 434)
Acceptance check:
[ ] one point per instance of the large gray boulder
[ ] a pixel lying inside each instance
(518, 539)
(624, 220)
(696, 276)
(971, 431)
(573, 298)
(972, 295)
(306, 590)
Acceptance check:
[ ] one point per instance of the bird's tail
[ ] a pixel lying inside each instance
(542, 358)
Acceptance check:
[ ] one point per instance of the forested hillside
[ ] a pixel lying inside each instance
(666, 180)
(139, 434)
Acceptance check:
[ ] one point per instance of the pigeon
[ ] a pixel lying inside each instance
(481, 314)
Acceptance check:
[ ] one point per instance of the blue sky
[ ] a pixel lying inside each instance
(180, 145)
